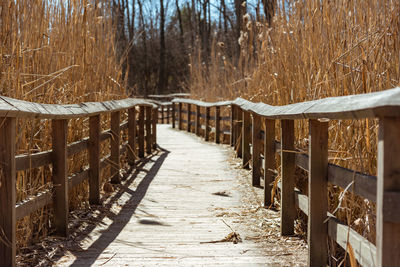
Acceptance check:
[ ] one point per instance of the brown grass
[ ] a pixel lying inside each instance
(318, 49)
(54, 53)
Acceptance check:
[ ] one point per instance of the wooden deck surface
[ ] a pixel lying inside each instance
(185, 196)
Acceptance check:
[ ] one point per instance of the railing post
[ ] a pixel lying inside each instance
(141, 132)
(239, 132)
(318, 194)
(148, 130)
(168, 111)
(94, 160)
(115, 149)
(7, 191)
(162, 114)
(180, 116)
(256, 145)
(246, 135)
(387, 228)
(269, 160)
(197, 122)
(288, 210)
(60, 178)
(173, 115)
(154, 128)
(207, 129)
(232, 127)
(217, 124)
(132, 136)
(189, 116)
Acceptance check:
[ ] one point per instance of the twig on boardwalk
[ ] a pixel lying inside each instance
(108, 259)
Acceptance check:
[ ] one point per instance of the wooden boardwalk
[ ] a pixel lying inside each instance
(170, 211)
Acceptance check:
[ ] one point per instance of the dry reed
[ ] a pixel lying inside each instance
(55, 52)
(316, 49)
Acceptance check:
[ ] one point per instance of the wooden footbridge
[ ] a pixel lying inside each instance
(186, 177)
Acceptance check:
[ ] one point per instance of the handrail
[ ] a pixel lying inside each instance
(175, 95)
(259, 147)
(202, 103)
(370, 105)
(10, 107)
(141, 135)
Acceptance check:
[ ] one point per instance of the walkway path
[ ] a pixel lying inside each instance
(169, 212)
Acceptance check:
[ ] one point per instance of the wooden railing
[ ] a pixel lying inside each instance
(259, 147)
(141, 126)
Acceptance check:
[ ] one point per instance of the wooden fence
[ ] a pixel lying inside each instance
(259, 147)
(141, 125)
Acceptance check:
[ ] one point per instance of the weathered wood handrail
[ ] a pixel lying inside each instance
(247, 137)
(63, 182)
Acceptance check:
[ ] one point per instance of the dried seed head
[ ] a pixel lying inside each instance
(246, 18)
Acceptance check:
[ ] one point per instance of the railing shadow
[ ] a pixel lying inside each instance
(118, 224)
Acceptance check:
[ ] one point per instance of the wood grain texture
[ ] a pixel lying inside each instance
(141, 132)
(256, 147)
(189, 117)
(28, 161)
(197, 125)
(207, 125)
(232, 125)
(173, 115)
(149, 134)
(388, 232)
(371, 105)
(166, 213)
(18, 108)
(238, 134)
(60, 178)
(132, 128)
(168, 113)
(7, 191)
(115, 147)
(180, 116)
(317, 233)
(364, 251)
(217, 125)
(361, 184)
(288, 209)
(269, 160)
(154, 116)
(94, 160)
(162, 114)
(33, 203)
(246, 137)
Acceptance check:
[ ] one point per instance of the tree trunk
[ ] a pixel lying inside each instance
(240, 10)
(181, 33)
(161, 78)
(144, 89)
(269, 10)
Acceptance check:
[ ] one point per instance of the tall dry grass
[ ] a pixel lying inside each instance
(316, 49)
(55, 52)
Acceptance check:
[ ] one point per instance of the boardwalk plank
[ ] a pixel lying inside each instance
(167, 215)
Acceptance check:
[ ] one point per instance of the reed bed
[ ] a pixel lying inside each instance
(55, 52)
(315, 49)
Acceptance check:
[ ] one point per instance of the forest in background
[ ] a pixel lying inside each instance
(158, 42)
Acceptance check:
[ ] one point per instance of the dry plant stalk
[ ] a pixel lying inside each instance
(315, 49)
(55, 52)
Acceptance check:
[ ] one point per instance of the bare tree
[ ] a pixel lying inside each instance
(161, 78)
(269, 10)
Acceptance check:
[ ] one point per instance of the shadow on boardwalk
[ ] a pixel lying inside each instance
(176, 207)
(127, 210)
(77, 233)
